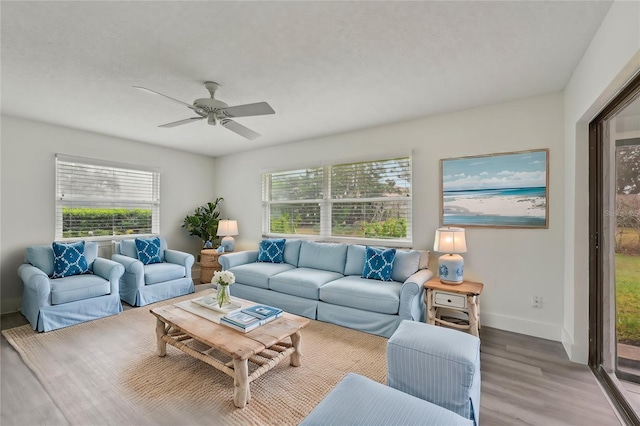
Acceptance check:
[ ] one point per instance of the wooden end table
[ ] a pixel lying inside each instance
(209, 264)
(465, 298)
(177, 327)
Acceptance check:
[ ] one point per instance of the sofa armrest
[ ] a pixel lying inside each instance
(180, 258)
(131, 265)
(37, 282)
(229, 260)
(109, 270)
(412, 296)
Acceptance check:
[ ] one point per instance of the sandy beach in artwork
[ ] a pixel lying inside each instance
(496, 205)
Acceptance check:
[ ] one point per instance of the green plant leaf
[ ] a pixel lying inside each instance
(203, 223)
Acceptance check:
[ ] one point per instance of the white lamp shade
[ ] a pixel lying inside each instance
(450, 240)
(227, 227)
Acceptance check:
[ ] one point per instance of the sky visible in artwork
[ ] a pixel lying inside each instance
(524, 170)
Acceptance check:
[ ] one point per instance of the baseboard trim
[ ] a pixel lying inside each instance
(518, 325)
(576, 353)
(10, 306)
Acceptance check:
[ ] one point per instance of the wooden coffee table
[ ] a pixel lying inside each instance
(265, 346)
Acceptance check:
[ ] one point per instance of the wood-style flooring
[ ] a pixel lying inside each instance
(525, 381)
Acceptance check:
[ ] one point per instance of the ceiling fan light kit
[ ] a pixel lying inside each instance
(216, 111)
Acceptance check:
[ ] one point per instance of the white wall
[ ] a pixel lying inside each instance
(514, 264)
(28, 188)
(612, 58)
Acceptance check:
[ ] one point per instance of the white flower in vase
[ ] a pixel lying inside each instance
(223, 279)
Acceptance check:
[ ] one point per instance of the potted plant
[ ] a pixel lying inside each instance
(203, 223)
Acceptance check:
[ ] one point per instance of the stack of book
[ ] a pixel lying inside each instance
(247, 319)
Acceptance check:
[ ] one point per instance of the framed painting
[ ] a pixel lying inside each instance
(504, 190)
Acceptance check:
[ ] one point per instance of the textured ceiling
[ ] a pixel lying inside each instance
(325, 67)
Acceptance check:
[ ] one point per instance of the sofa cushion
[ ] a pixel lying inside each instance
(302, 282)
(257, 274)
(360, 293)
(405, 264)
(148, 250)
(378, 264)
(128, 248)
(358, 400)
(271, 250)
(68, 259)
(90, 253)
(160, 272)
(41, 257)
(355, 260)
(78, 287)
(324, 256)
(292, 252)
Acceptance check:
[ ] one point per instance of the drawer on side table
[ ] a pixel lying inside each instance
(441, 298)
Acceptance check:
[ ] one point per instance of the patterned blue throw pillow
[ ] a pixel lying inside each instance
(148, 250)
(271, 250)
(378, 263)
(68, 260)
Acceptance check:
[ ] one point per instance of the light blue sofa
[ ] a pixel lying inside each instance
(323, 281)
(50, 303)
(144, 284)
(433, 379)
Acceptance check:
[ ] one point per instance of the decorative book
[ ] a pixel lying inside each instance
(247, 319)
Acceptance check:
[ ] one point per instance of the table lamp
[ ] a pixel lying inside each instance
(450, 241)
(227, 228)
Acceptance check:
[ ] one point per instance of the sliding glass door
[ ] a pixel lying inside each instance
(614, 187)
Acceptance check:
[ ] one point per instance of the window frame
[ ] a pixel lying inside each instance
(326, 203)
(59, 204)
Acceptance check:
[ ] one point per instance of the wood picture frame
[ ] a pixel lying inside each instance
(502, 190)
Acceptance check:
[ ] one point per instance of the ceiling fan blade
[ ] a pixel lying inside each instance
(259, 108)
(168, 97)
(181, 122)
(239, 129)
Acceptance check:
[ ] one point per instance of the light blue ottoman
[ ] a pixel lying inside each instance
(357, 400)
(433, 379)
(436, 364)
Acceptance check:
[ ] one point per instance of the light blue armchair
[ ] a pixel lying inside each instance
(51, 303)
(144, 284)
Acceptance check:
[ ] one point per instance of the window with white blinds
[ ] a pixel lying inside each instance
(364, 201)
(97, 198)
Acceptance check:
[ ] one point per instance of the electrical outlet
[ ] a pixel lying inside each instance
(536, 301)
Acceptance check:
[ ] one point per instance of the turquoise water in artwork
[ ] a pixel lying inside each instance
(536, 191)
(455, 216)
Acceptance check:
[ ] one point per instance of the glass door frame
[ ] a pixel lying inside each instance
(597, 314)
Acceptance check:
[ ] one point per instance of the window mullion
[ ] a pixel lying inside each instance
(325, 206)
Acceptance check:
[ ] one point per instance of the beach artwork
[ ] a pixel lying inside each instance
(507, 190)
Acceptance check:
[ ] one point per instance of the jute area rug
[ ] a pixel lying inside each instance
(106, 372)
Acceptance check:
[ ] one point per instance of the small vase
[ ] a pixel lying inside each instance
(224, 296)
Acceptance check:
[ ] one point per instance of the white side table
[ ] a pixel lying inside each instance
(463, 298)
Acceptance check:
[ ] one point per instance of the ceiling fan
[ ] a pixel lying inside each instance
(216, 111)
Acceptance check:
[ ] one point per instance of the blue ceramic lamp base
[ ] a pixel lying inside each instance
(451, 269)
(228, 243)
